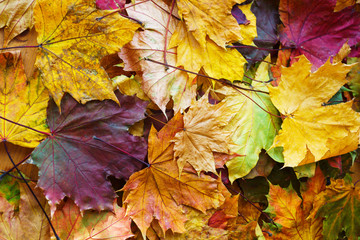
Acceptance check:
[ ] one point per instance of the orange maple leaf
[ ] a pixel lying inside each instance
(159, 191)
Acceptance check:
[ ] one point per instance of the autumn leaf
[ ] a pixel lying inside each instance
(341, 4)
(70, 223)
(159, 191)
(73, 163)
(252, 128)
(292, 212)
(16, 16)
(312, 130)
(339, 204)
(28, 97)
(313, 28)
(193, 56)
(216, 21)
(20, 215)
(160, 83)
(201, 136)
(73, 37)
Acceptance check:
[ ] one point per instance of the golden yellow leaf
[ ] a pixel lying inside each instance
(202, 135)
(16, 16)
(192, 56)
(313, 130)
(74, 36)
(129, 86)
(211, 19)
(159, 192)
(22, 101)
(248, 31)
(341, 4)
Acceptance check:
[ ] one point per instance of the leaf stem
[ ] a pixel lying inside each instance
(32, 192)
(21, 125)
(224, 81)
(16, 47)
(259, 48)
(119, 149)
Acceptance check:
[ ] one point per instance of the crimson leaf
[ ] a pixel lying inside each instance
(315, 30)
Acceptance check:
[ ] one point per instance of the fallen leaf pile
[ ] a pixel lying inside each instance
(181, 119)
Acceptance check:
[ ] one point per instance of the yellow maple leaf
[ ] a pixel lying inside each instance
(15, 18)
(213, 20)
(158, 192)
(192, 56)
(73, 37)
(202, 135)
(22, 102)
(313, 130)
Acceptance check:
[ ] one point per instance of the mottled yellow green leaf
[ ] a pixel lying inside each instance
(23, 101)
(73, 38)
(311, 130)
(252, 128)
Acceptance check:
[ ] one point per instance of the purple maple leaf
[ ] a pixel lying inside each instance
(72, 163)
(313, 28)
